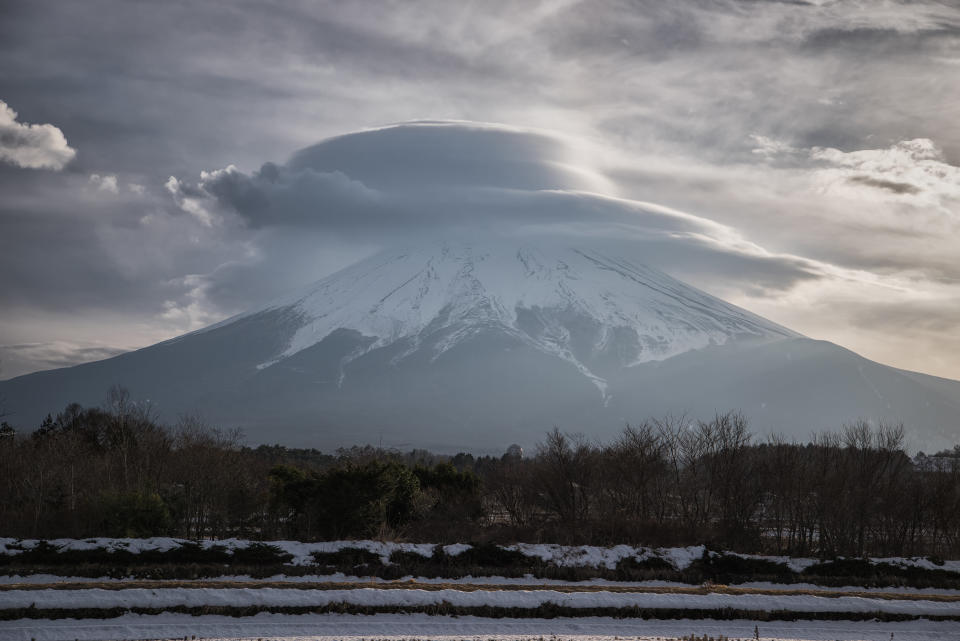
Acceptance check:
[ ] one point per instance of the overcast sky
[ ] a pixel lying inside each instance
(160, 166)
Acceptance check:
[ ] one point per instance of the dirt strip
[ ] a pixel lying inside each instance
(474, 587)
(543, 611)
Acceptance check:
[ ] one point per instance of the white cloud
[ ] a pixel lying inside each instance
(770, 147)
(913, 172)
(880, 222)
(191, 200)
(16, 359)
(192, 311)
(106, 183)
(32, 146)
(419, 179)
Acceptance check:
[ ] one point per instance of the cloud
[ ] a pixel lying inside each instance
(24, 357)
(32, 146)
(889, 185)
(909, 322)
(666, 96)
(770, 147)
(418, 180)
(450, 154)
(107, 183)
(286, 196)
(191, 199)
(913, 172)
(415, 173)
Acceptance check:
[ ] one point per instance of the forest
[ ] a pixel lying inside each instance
(117, 471)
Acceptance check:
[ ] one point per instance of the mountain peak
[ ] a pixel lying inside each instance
(593, 310)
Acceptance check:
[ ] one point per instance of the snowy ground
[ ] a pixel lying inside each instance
(418, 598)
(410, 627)
(560, 555)
(466, 592)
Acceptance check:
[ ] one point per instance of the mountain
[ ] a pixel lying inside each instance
(479, 344)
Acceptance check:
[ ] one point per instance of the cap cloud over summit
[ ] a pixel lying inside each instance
(427, 173)
(416, 180)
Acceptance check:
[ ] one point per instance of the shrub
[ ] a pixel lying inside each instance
(133, 514)
(261, 553)
(864, 572)
(731, 568)
(651, 567)
(350, 501)
(488, 555)
(348, 559)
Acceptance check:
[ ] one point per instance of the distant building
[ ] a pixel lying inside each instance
(514, 451)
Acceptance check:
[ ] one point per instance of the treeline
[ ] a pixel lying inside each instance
(116, 471)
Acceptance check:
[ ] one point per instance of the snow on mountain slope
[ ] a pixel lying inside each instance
(572, 303)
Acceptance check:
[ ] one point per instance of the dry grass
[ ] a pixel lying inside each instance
(547, 610)
(473, 587)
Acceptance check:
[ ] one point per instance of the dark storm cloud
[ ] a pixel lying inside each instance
(278, 195)
(67, 244)
(50, 254)
(55, 271)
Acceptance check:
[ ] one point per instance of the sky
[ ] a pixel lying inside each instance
(165, 165)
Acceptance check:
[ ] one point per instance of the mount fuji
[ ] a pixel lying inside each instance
(473, 345)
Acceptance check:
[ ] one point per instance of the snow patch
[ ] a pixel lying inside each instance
(266, 597)
(336, 627)
(584, 556)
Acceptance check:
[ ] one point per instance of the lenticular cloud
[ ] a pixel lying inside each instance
(422, 179)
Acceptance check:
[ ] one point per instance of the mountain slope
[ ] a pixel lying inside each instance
(474, 345)
(590, 310)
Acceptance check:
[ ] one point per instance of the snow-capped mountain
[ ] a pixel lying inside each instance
(590, 310)
(476, 344)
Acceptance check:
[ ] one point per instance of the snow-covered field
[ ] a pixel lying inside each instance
(805, 607)
(328, 627)
(311, 607)
(413, 598)
(559, 555)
